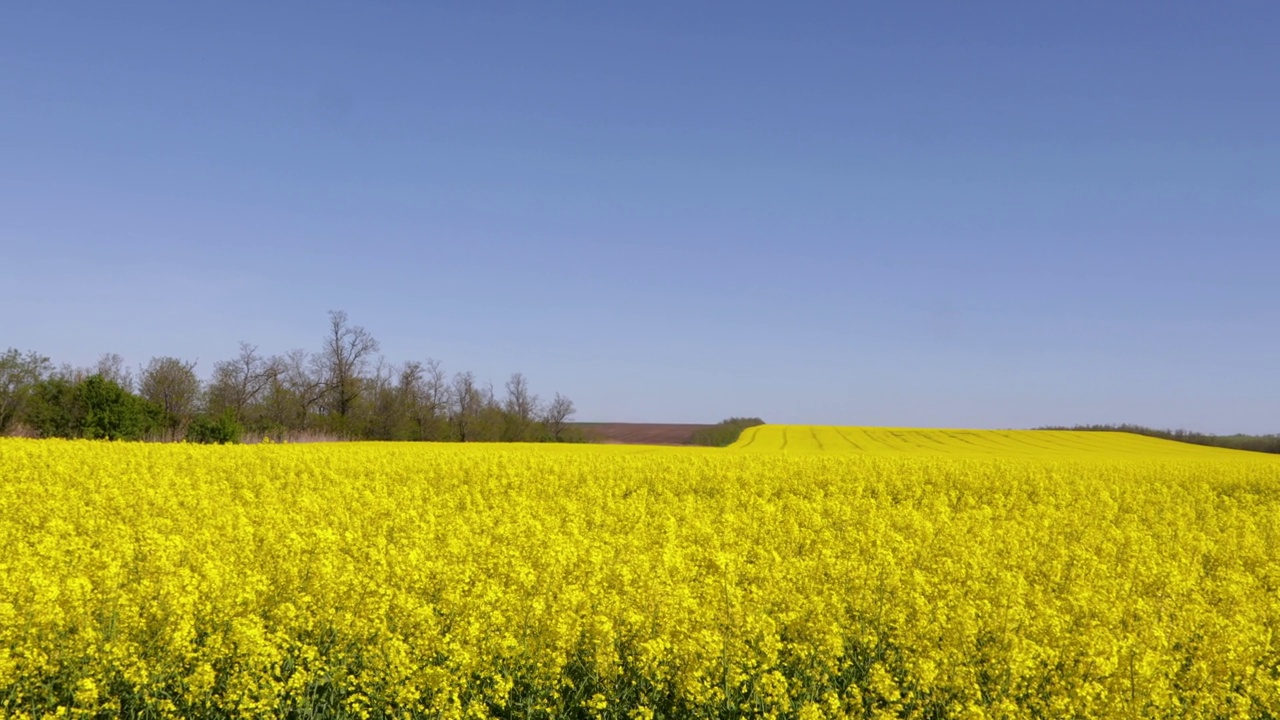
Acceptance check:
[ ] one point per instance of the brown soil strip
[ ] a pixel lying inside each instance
(639, 433)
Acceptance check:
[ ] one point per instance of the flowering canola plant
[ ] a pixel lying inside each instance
(805, 572)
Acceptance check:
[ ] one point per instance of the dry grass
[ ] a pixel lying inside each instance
(21, 430)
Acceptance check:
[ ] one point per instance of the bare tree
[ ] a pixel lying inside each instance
(295, 373)
(493, 419)
(297, 389)
(468, 401)
(521, 402)
(409, 385)
(238, 383)
(435, 388)
(382, 414)
(70, 373)
(421, 401)
(520, 407)
(171, 384)
(346, 353)
(278, 404)
(557, 414)
(433, 408)
(19, 375)
(111, 367)
(407, 405)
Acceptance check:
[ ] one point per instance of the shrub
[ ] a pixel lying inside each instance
(219, 430)
(113, 413)
(94, 408)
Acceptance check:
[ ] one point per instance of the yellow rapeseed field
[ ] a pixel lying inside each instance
(803, 573)
(1040, 444)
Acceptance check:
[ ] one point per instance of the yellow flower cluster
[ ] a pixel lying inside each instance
(980, 575)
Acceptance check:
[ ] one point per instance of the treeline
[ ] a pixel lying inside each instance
(344, 390)
(724, 433)
(1255, 443)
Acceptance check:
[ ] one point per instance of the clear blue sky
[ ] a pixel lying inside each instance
(922, 214)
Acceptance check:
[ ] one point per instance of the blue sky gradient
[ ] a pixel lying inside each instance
(919, 214)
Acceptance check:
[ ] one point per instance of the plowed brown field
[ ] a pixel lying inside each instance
(639, 433)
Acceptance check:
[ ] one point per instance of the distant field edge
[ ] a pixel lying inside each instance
(1238, 441)
(958, 442)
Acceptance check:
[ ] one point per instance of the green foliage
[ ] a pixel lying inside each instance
(94, 408)
(725, 432)
(1255, 443)
(113, 413)
(53, 410)
(218, 430)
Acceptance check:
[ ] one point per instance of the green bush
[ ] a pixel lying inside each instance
(219, 430)
(113, 413)
(52, 411)
(94, 408)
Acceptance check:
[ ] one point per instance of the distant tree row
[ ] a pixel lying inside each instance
(344, 390)
(1255, 443)
(724, 433)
